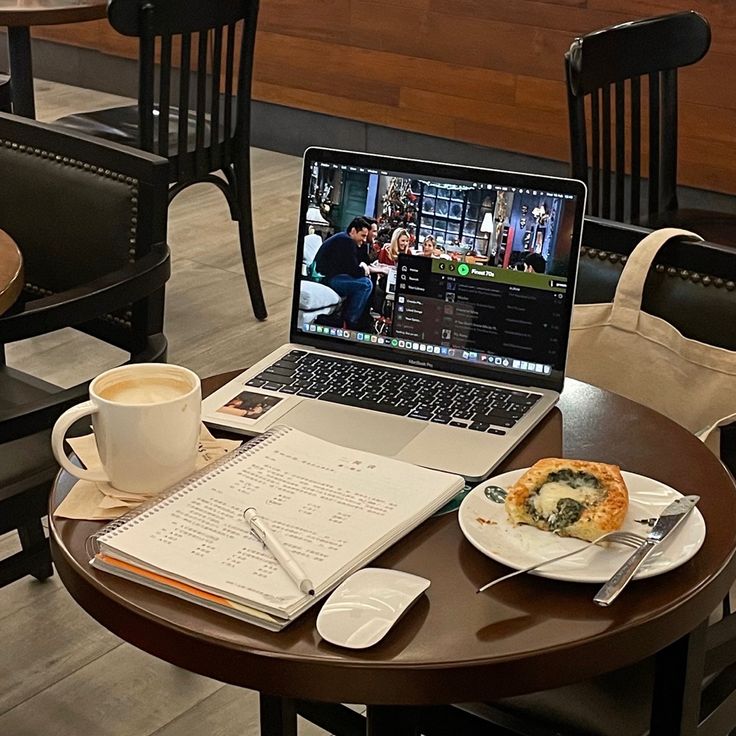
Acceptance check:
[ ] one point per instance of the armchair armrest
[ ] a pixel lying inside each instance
(691, 284)
(83, 303)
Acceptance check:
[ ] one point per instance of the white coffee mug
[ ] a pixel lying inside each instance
(146, 420)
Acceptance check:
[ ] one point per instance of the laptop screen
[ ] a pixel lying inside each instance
(454, 268)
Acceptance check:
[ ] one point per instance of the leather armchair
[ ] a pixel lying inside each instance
(90, 219)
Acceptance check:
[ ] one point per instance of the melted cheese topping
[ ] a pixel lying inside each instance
(546, 498)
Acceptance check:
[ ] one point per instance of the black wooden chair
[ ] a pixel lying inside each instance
(622, 103)
(692, 286)
(194, 97)
(619, 703)
(89, 217)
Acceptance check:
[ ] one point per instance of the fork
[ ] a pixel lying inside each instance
(630, 539)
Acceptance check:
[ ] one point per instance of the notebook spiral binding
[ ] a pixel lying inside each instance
(183, 486)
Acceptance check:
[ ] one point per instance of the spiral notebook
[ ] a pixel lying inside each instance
(332, 507)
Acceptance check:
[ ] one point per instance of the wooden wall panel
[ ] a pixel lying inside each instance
(488, 72)
(96, 34)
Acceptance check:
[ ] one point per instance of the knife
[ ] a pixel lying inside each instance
(668, 521)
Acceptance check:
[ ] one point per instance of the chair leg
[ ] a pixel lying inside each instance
(250, 266)
(236, 189)
(277, 716)
(241, 181)
(35, 544)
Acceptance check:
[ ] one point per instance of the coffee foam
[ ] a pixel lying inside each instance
(145, 389)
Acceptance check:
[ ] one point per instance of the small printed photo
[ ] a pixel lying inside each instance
(249, 405)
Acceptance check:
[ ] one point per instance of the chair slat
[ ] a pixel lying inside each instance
(215, 99)
(635, 148)
(654, 127)
(668, 163)
(201, 106)
(620, 174)
(595, 149)
(227, 112)
(164, 95)
(145, 79)
(184, 73)
(606, 140)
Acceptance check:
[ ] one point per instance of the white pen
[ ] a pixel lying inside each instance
(265, 535)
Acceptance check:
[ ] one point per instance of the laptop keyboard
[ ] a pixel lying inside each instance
(431, 398)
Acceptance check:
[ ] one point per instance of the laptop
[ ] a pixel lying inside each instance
(453, 357)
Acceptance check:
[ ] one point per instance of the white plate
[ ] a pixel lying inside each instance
(487, 527)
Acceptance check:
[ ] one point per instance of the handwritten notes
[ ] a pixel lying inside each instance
(333, 508)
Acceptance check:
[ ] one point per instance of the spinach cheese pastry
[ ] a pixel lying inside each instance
(573, 498)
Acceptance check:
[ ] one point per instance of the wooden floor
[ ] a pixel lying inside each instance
(62, 674)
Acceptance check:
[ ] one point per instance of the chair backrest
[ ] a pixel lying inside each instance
(90, 218)
(196, 63)
(622, 93)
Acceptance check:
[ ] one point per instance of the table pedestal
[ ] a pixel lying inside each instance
(18, 16)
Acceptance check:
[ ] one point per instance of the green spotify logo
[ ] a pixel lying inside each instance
(463, 269)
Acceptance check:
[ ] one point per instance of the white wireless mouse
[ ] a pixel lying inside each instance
(361, 610)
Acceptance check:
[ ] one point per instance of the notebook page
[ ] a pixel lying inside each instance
(326, 503)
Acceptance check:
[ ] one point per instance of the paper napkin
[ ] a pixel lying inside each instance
(100, 501)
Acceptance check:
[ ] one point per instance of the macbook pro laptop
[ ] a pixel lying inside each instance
(456, 356)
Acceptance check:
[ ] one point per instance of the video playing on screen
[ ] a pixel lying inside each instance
(459, 269)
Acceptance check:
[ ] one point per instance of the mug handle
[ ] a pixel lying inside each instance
(57, 442)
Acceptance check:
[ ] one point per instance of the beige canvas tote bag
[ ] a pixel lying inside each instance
(620, 348)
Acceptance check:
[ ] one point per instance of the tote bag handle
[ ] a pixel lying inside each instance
(630, 287)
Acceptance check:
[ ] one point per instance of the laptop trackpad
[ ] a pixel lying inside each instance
(366, 430)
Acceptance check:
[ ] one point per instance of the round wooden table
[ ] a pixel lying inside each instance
(11, 272)
(455, 646)
(18, 16)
